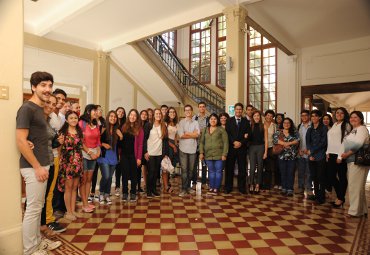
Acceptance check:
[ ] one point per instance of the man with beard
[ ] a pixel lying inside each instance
(31, 126)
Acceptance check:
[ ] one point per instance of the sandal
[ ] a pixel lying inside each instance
(70, 216)
(169, 189)
(87, 209)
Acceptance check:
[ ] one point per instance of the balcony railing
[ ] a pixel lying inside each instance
(191, 85)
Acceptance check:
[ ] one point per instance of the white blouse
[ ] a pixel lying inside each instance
(155, 141)
(172, 131)
(335, 139)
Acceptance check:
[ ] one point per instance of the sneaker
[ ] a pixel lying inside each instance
(182, 194)
(108, 200)
(49, 245)
(132, 197)
(289, 194)
(149, 195)
(117, 192)
(101, 200)
(56, 227)
(40, 252)
(96, 198)
(124, 197)
(90, 199)
(156, 194)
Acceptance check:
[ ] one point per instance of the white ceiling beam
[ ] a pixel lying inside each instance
(165, 24)
(63, 13)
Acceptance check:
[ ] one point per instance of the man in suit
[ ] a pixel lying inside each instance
(238, 130)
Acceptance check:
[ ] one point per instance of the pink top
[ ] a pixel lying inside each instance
(91, 135)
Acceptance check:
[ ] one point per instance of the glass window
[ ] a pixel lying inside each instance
(200, 53)
(221, 52)
(261, 71)
(170, 38)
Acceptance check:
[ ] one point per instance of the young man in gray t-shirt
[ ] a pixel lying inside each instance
(34, 163)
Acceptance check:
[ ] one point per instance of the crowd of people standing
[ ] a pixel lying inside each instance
(62, 151)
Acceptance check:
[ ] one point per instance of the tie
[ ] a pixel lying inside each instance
(238, 122)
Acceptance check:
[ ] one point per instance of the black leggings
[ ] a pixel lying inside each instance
(154, 167)
(129, 172)
(338, 176)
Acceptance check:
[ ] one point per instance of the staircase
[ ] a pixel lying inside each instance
(186, 83)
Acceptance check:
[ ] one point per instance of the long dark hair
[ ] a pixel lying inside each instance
(167, 118)
(121, 121)
(135, 128)
(345, 122)
(86, 116)
(64, 129)
(143, 122)
(111, 137)
(292, 127)
(280, 126)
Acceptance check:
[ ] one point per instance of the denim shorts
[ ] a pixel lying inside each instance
(89, 165)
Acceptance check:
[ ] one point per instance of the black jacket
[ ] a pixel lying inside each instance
(240, 134)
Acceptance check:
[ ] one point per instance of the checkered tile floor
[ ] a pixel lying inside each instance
(266, 224)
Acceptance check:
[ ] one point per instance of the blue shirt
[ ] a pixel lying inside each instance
(317, 141)
(110, 158)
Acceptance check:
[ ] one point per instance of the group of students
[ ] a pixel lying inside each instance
(62, 150)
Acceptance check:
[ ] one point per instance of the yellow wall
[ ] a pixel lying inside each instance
(11, 75)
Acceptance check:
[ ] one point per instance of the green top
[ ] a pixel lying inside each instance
(214, 145)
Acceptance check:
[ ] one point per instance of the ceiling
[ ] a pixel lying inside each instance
(305, 23)
(108, 24)
(358, 100)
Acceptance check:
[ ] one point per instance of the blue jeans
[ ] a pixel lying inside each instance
(214, 173)
(106, 178)
(287, 174)
(304, 176)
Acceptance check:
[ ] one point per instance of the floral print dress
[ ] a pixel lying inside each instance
(70, 159)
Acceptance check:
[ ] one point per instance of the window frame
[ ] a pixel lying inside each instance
(200, 30)
(218, 40)
(174, 40)
(261, 47)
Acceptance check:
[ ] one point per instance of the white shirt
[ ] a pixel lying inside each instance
(155, 141)
(172, 131)
(56, 123)
(335, 140)
(270, 132)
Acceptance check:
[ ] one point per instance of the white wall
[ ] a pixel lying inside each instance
(143, 102)
(66, 69)
(121, 91)
(345, 61)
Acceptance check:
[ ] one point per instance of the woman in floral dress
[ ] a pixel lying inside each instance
(70, 163)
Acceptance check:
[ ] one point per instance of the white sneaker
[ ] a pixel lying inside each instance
(108, 200)
(40, 252)
(49, 245)
(96, 198)
(101, 200)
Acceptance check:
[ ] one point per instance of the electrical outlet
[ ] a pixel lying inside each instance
(4, 92)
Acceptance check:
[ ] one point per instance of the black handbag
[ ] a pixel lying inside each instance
(362, 156)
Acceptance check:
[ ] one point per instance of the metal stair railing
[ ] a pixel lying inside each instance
(191, 85)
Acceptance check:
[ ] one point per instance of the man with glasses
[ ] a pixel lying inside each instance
(304, 178)
(188, 133)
